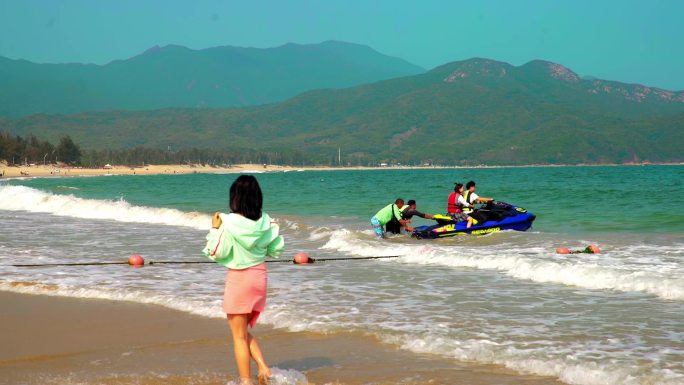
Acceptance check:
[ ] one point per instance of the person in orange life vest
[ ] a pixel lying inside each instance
(455, 205)
(471, 198)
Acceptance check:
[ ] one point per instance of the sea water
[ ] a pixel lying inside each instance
(505, 298)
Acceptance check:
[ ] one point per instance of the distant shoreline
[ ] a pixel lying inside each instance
(66, 171)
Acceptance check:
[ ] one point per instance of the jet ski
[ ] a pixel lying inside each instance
(490, 218)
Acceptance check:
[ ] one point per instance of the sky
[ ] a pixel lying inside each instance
(624, 40)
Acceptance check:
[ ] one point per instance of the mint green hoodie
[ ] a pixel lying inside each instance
(240, 242)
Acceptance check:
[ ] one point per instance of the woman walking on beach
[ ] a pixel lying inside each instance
(240, 241)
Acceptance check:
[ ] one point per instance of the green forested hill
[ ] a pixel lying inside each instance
(476, 111)
(175, 76)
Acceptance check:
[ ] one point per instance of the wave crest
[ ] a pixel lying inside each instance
(22, 198)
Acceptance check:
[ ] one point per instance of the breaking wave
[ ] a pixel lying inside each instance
(21, 198)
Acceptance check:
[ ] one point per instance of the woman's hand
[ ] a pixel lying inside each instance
(216, 220)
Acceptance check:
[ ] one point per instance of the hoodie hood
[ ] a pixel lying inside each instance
(248, 233)
(240, 242)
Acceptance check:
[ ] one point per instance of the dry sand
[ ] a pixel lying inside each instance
(52, 170)
(56, 340)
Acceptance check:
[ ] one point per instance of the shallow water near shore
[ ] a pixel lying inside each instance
(504, 299)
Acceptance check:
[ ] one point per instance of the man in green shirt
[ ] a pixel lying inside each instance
(388, 213)
(407, 212)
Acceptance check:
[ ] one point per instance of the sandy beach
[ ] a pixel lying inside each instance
(66, 171)
(58, 340)
(57, 171)
(7, 171)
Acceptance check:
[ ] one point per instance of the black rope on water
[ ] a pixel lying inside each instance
(310, 260)
(71, 264)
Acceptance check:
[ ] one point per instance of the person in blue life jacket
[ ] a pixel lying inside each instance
(388, 215)
(471, 198)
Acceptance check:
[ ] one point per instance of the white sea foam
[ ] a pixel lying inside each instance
(587, 274)
(288, 224)
(559, 360)
(364, 244)
(572, 363)
(566, 366)
(571, 273)
(21, 198)
(320, 233)
(211, 309)
(279, 315)
(287, 377)
(280, 377)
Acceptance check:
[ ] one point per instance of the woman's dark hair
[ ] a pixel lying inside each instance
(458, 187)
(246, 198)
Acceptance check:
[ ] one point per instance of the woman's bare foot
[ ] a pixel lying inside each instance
(264, 378)
(264, 374)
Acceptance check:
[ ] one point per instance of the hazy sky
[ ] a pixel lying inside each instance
(626, 40)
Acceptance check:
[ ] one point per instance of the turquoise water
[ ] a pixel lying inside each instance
(504, 299)
(646, 199)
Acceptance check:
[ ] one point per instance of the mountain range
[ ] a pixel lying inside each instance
(477, 111)
(176, 76)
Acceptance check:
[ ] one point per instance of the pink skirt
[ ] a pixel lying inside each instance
(245, 292)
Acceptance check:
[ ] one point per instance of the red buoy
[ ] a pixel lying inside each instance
(136, 260)
(301, 258)
(562, 250)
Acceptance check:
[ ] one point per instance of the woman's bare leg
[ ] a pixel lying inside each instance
(241, 345)
(246, 346)
(258, 357)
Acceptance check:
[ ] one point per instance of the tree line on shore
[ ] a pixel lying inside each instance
(18, 150)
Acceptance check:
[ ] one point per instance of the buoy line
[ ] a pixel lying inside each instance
(141, 262)
(591, 249)
(298, 259)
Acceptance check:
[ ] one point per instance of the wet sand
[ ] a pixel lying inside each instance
(58, 340)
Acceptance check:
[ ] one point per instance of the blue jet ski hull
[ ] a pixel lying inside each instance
(498, 216)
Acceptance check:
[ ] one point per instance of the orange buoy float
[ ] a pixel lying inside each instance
(301, 259)
(136, 260)
(592, 249)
